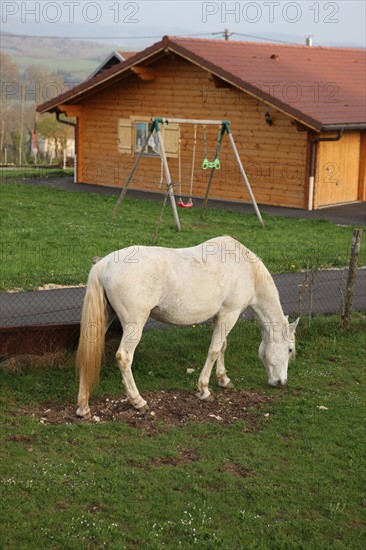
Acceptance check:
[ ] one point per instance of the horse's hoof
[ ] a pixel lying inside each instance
(208, 399)
(85, 415)
(144, 409)
(229, 386)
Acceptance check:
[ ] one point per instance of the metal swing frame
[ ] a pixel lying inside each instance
(155, 127)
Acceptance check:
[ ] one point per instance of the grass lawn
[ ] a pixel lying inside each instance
(51, 235)
(296, 481)
(36, 172)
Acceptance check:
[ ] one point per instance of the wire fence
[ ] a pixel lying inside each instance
(48, 319)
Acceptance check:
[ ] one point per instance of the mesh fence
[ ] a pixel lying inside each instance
(39, 320)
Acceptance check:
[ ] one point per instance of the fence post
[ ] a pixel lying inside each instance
(351, 279)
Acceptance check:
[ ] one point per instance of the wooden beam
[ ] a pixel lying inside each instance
(70, 110)
(144, 73)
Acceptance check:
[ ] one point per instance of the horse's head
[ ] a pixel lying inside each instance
(276, 349)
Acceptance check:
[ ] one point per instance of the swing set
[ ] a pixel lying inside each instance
(224, 128)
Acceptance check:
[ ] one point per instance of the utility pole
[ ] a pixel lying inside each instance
(227, 34)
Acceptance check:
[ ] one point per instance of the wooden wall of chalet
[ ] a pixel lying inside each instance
(275, 157)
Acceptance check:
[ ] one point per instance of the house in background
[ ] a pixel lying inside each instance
(297, 113)
(113, 59)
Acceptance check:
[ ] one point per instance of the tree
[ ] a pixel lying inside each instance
(9, 76)
(40, 85)
(21, 93)
(50, 129)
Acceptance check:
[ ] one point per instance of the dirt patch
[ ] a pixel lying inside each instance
(166, 409)
(185, 456)
(21, 438)
(96, 507)
(236, 469)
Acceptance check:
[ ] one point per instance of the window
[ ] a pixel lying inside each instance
(141, 131)
(132, 133)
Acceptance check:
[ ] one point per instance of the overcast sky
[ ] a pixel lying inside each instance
(332, 23)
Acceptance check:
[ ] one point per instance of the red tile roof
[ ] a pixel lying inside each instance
(321, 87)
(327, 85)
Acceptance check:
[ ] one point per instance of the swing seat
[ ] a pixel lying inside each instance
(188, 204)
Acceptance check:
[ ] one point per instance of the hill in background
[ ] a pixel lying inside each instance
(73, 60)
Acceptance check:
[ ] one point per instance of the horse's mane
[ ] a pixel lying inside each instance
(263, 280)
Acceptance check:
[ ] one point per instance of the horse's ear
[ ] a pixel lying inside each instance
(293, 325)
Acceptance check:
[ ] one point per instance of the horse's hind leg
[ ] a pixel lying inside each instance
(132, 333)
(83, 409)
(222, 378)
(110, 316)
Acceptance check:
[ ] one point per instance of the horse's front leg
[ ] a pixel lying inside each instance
(223, 324)
(213, 353)
(222, 378)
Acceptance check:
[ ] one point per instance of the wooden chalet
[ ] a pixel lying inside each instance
(297, 113)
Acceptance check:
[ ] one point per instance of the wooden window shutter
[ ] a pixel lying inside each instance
(171, 140)
(125, 136)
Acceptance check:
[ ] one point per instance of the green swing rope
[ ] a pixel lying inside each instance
(216, 163)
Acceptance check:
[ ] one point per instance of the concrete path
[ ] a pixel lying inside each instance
(63, 306)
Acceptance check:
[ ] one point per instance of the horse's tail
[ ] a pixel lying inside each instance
(92, 331)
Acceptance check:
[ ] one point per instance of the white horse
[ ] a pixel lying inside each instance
(218, 279)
